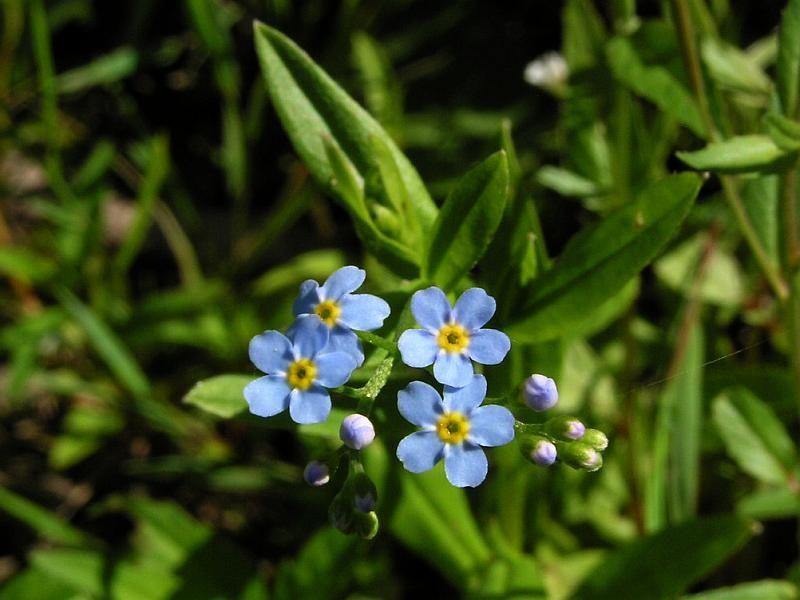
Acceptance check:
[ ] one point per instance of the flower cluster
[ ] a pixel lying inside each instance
(321, 349)
(455, 426)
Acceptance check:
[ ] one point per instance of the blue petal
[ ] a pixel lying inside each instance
(474, 309)
(491, 426)
(488, 346)
(364, 312)
(344, 340)
(271, 352)
(465, 399)
(465, 465)
(430, 308)
(341, 282)
(307, 299)
(309, 335)
(267, 396)
(334, 368)
(309, 406)
(452, 369)
(420, 451)
(420, 404)
(417, 347)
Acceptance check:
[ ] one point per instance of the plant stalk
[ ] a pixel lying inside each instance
(691, 58)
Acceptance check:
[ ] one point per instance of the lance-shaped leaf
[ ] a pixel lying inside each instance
(600, 260)
(788, 62)
(312, 106)
(654, 83)
(665, 564)
(467, 222)
(739, 154)
(753, 436)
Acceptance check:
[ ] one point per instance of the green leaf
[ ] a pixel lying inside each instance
(311, 106)
(664, 564)
(222, 395)
(733, 68)
(784, 132)
(350, 186)
(25, 265)
(770, 503)
(106, 343)
(434, 519)
(673, 476)
(108, 68)
(316, 264)
(766, 589)
(654, 83)
(50, 526)
(80, 569)
(602, 259)
(34, 584)
(723, 283)
(753, 435)
(468, 220)
(788, 64)
(583, 33)
(739, 154)
(154, 177)
(567, 183)
(320, 570)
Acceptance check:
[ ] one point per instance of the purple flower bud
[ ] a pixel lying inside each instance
(540, 392)
(544, 453)
(566, 428)
(357, 431)
(575, 429)
(316, 473)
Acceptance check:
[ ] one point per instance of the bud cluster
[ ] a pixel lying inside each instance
(353, 508)
(562, 437)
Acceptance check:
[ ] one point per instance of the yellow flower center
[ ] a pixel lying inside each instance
(453, 338)
(301, 374)
(452, 428)
(328, 311)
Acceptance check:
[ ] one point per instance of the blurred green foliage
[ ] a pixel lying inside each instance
(154, 216)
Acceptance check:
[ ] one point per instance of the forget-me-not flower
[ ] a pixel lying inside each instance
(452, 336)
(298, 370)
(341, 310)
(453, 428)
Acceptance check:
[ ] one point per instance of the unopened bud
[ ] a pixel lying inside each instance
(580, 455)
(341, 513)
(364, 493)
(366, 524)
(565, 428)
(540, 392)
(538, 450)
(316, 473)
(596, 439)
(357, 431)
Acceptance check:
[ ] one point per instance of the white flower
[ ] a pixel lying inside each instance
(549, 71)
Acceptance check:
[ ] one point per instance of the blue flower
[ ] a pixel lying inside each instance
(341, 310)
(299, 368)
(454, 428)
(451, 337)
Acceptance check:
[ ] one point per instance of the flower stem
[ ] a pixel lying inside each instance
(691, 59)
(377, 341)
